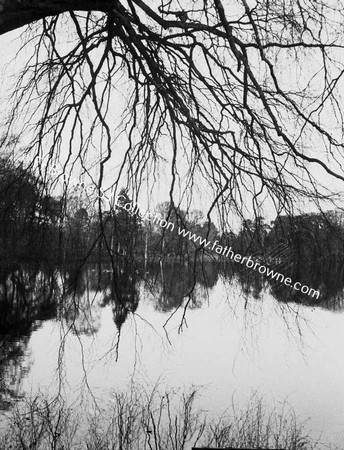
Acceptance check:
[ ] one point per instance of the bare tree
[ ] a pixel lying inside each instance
(240, 96)
(244, 96)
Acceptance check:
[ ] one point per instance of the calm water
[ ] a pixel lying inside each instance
(230, 344)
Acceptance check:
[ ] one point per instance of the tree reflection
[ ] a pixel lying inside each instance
(27, 297)
(75, 295)
(122, 293)
(13, 348)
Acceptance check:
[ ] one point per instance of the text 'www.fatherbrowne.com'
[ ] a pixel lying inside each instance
(134, 209)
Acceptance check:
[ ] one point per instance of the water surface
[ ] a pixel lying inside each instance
(86, 343)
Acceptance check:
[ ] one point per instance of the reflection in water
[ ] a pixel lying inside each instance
(12, 351)
(78, 297)
(173, 283)
(27, 297)
(121, 292)
(328, 279)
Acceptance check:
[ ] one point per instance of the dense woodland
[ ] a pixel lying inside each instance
(36, 228)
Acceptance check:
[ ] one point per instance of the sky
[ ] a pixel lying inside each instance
(151, 195)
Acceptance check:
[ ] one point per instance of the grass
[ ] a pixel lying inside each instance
(150, 421)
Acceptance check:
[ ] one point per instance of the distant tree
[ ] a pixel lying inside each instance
(126, 225)
(77, 234)
(25, 211)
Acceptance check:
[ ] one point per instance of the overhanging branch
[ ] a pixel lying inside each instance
(15, 14)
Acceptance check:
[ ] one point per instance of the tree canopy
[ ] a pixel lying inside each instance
(240, 96)
(25, 212)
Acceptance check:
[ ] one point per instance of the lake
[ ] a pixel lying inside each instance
(228, 340)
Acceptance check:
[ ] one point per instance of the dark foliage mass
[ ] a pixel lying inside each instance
(38, 227)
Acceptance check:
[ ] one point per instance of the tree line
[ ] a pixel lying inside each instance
(37, 225)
